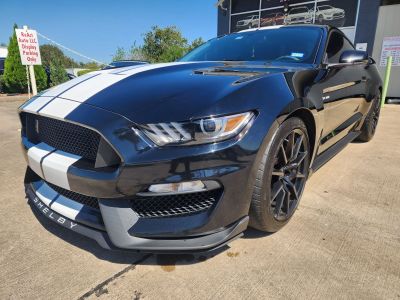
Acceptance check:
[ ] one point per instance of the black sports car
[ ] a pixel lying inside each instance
(184, 156)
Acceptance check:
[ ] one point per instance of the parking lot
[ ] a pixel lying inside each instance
(343, 242)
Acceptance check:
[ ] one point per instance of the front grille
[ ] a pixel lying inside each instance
(85, 200)
(64, 136)
(174, 205)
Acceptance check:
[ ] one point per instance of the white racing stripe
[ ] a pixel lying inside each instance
(89, 88)
(59, 108)
(82, 88)
(37, 104)
(57, 90)
(55, 167)
(149, 67)
(46, 194)
(66, 207)
(35, 155)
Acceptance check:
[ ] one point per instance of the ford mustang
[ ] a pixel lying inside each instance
(184, 156)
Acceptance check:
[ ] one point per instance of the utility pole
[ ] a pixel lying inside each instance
(32, 74)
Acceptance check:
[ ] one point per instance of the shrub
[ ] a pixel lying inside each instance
(58, 74)
(83, 72)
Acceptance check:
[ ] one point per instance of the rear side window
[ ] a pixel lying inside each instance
(336, 45)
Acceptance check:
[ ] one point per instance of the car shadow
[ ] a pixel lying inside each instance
(252, 233)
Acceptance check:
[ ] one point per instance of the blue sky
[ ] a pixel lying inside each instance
(97, 27)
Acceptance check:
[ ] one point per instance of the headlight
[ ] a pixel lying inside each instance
(207, 130)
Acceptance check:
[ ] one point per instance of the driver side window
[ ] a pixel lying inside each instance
(336, 45)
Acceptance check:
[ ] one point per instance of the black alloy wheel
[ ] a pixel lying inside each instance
(368, 129)
(375, 114)
(288, 177)
(281, 176)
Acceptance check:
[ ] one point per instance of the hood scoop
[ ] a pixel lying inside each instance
(226, 72)
(245, 75)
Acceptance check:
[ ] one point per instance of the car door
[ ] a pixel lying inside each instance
(343, 90)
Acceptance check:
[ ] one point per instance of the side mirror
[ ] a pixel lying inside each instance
(354, 56)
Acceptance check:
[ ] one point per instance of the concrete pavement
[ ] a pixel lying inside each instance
(343, 242)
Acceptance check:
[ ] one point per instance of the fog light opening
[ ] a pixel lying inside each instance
(180, 187)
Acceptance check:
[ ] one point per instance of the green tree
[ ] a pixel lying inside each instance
(195, 43)
(41, 78)
(58, 74)
(14, 79)
(120, 54)
(89, 65)
(52, 54)
(136, 53)
(164, 44)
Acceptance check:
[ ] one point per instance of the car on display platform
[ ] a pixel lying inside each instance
(326, 13)
(184, 156)
(299, 15)
(273, 19)
(248, 22)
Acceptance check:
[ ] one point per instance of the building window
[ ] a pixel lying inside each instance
(390, 2)
(246, 14)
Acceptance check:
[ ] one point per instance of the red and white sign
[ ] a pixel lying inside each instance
(28, 46)
(391, 47)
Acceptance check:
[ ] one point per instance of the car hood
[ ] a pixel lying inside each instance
(166, 92)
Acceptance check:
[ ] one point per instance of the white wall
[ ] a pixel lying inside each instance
(388, 25)
(3, 52)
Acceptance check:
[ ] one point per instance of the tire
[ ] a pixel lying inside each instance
(274, 199)
(371, 121)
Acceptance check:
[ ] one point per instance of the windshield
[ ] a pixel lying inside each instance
(288, 44)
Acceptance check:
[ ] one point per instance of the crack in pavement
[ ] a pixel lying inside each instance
(100, 287)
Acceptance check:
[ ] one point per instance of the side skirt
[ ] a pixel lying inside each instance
(327, 155)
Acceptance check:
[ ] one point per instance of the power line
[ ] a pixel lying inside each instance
(70, 50)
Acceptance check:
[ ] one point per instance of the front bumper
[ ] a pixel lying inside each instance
(231, 164)
(118, 218)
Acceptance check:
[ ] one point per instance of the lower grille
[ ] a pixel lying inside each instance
(155, 206)
(85, 200)
(174, 205)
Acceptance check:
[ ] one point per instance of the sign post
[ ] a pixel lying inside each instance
(387, 79)
(29, 51)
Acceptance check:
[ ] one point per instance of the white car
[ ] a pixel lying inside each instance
(299, 15)
(328, 13)
(249, 22)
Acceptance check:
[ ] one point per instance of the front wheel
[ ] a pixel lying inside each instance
(371, 121)
(281, 177)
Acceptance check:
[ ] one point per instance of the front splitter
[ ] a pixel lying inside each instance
(234, 232)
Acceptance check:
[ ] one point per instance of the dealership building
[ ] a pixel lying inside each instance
(373, 25)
